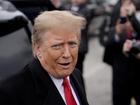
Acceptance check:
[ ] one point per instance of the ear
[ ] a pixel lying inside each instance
(36, 50)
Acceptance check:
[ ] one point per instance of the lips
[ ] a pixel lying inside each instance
(65, 65)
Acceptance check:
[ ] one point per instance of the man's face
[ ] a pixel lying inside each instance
(58, 52)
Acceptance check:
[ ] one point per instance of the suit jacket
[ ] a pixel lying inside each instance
(33, 86)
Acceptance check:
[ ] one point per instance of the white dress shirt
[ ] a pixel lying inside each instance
(59, 85)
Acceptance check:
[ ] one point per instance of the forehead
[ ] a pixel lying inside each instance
(61, 35)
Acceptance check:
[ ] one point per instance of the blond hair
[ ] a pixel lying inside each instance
(54, 20)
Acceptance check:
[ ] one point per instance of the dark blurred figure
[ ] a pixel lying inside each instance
(105, 24)
(32, 8)
(14, 40)
(11, 17)
(124, 26)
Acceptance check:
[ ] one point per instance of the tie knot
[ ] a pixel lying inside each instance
(65, 82)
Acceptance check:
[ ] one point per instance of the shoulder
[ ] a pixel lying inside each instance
(12, 88)
(77, 73)
(78, 76)
(16, 82)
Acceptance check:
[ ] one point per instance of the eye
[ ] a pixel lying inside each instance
(73, 44)
(57, 46)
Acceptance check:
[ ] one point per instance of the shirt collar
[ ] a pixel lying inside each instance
(58, 82)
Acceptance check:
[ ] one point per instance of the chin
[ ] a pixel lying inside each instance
(65, 75)
(61, 76)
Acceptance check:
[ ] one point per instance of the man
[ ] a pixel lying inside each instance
(125, 68)
(55, 42)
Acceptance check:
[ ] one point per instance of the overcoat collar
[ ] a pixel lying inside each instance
(46, 88)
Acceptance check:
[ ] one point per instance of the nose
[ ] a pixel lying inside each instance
(66, 53)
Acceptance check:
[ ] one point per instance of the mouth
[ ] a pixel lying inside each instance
(65, 65)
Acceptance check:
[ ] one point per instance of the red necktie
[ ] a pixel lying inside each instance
(68, 93)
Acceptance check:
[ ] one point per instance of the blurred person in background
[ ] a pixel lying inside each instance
(51, 78)
(11, 18)
(124, 26)
(32, 8)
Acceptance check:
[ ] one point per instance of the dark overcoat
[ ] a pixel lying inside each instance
(33, 86)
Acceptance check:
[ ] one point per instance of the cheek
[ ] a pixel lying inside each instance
(52, 55)
(75, 53)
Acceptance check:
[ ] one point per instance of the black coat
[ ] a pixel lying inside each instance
(34, 87)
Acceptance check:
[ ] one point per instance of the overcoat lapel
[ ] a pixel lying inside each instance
(45, 87)
(81, 94)
(53, 97)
